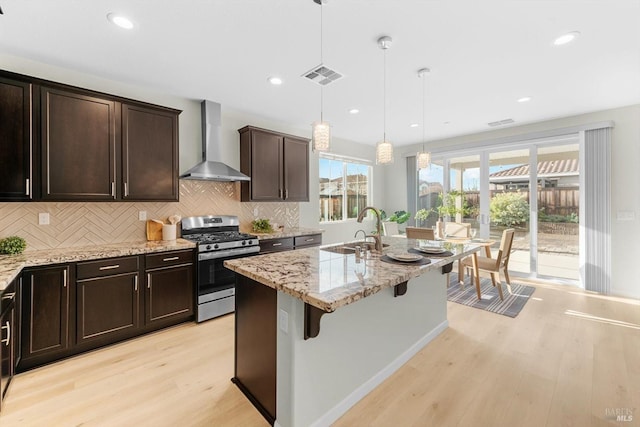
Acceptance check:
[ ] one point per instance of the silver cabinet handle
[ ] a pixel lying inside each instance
(286, 194)
(28, 187)
(113, 189)
(8, 328)
(109, 267)
(148, 280)
(309, 240)
(277, 244)
(9, 295)
(135, 283)
(64, 278)
(173, 258)
(126, 189)
(280, 193)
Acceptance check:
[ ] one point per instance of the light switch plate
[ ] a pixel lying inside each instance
(284, 321)
(626, 216)
(43, 218)
(142, 215)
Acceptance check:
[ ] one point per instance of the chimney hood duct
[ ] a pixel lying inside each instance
(211, 169)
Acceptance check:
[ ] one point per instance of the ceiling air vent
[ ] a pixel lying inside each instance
(322, 75)
(501, 123)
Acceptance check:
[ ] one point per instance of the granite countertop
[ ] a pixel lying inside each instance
(285, 232)
(12, 265)
(329, 280)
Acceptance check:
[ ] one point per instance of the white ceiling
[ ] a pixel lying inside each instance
(483, 55)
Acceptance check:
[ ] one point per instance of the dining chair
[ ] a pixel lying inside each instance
(390, 228)
(457, 229)
(493, 265)
(420, 233)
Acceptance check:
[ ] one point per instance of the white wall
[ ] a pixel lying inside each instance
(232, 120)
(625, 179)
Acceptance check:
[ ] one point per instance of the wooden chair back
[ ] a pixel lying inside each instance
(420, 233)
(457, 229)
(505, 247)
(390, 228)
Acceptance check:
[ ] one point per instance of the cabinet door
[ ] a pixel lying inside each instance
(266, 167)
(296, 170)
(149, 154)
(78, 146)
(45, 318)
(170, 294)
(15, 140)
(108, 308)
(7, 343)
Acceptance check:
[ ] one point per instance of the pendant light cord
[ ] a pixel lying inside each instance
(424, 85)
(321, 64)
(384, 96)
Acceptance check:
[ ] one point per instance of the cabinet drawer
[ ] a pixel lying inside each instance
(166, 259)
(8, 296)
(275, 245)
(310, 240)
(107, 267)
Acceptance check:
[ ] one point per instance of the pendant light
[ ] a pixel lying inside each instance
(384, 149)
(423, 158)
(321, 131)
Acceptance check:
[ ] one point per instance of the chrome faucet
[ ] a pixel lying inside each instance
(378, 236)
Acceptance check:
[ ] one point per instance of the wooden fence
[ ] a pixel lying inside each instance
(554, 201)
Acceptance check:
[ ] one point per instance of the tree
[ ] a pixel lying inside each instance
(509, 209)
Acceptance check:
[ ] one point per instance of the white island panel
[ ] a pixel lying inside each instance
(358, 346)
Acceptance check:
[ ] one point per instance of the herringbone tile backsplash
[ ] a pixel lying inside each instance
(80, 224)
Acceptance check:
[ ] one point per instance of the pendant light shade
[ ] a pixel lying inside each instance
(384, 148)
(384, 153)
(321, 136)
(423, 158)
(320, 130)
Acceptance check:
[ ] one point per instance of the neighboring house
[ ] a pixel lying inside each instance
(551, 174)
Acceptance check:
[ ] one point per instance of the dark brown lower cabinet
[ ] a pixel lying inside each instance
(106, 303)
(256, 343)
(108, 308)
(7, 337)
(45, 314)
(169, 294)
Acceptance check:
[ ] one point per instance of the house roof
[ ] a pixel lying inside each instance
(547, 168)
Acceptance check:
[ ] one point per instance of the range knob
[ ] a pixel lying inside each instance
(244, 242)
(215, 246)
(251, 242)
(208, 247)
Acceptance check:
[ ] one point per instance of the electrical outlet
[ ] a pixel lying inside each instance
(43, 218)
(626, 216)
(284, 321)
(142, 215)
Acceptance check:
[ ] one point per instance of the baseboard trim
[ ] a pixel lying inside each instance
(341, 408)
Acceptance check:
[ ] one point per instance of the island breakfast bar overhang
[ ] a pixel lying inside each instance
(295, 381)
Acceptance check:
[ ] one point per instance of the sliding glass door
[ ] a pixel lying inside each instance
(533, 188)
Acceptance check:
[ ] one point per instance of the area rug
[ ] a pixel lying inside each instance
(490, 301)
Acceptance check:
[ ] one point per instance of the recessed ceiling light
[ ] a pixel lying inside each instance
(354, 111)
(414, 125)
(120, 21)
(566, 38)
(524, 99)
(275, 80)
(446, 123)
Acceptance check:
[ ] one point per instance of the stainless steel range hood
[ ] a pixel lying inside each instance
(211, 169)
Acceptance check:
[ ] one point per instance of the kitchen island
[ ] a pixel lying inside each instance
(319, 328)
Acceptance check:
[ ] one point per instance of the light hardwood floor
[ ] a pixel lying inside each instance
(567, 359)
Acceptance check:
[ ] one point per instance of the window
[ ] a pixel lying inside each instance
(344, 188)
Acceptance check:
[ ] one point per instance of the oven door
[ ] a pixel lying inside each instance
(214, 277)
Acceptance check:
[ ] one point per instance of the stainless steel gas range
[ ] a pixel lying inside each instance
(218, 238)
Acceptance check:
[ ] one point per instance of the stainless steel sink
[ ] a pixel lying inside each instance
(350, 248)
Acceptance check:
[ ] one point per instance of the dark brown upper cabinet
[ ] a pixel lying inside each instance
(278, 165)
(64, 143)
(15, 140)
(78, 146)
(149, 154)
